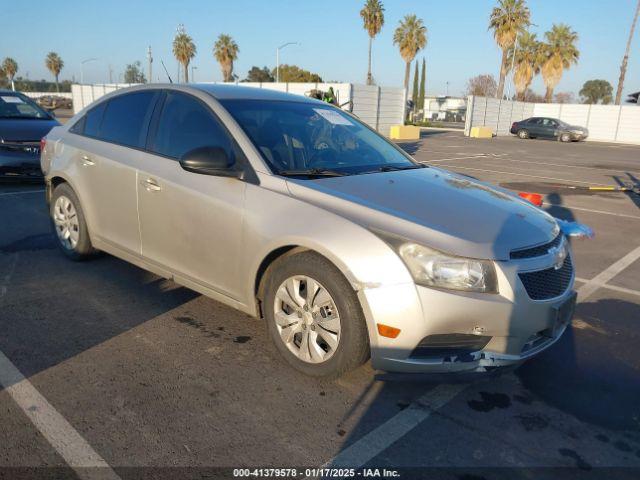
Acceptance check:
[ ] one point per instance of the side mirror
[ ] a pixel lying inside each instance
(209, 161)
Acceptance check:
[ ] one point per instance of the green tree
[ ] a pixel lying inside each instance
(625, 59)
(373, 18)
(410, 37)
(559, 52)
(423, 79)
(293, 73)
(184, 50)
(596, 91)
(226, 52)
(10, 68)
(527, 62)
(54, 64)
(257, 74)
(133, 73)
(414, 95)
(509, 19)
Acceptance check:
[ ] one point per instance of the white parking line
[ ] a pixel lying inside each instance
(526, 175)
(378, 440)
(569, 207)
(478, 155)
(564, 165)
(69, 444)
(59, 433)
(4, 194)
(613, 287)
(607, 274)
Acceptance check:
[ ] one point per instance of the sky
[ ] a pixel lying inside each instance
(331, 39)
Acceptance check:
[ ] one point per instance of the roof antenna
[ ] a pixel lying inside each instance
(165, 71)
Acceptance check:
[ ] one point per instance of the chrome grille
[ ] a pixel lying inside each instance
(548, 283)
(537, 251)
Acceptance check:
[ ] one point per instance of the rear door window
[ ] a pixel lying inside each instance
(126, 119)
(90, 123)
(185, 124)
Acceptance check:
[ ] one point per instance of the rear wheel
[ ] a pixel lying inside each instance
(69, 224)
(314, 317)
(523, 134)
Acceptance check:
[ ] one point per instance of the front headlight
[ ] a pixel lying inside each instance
(432, 268)
(577, 132)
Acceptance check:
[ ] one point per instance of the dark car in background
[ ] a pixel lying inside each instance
(22, 125)
(545, 127)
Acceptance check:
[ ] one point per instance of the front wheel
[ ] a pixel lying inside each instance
(314, 317)
(565, 137)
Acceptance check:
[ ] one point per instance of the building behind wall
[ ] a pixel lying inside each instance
(445, 108)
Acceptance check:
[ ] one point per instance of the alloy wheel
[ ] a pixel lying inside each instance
(307, 319)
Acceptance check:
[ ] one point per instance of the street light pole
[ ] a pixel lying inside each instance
(150, 60)
(278, 58)
(82, 68)
(193, 75)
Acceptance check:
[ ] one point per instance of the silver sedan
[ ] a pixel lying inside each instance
(295, 211)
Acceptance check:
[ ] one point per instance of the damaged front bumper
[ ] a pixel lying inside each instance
(510, 327)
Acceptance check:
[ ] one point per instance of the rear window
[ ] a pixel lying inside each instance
(89, 124)
(125, 119)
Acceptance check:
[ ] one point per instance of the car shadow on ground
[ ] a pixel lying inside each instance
(593, 372)
(75, 305)
(633, 181)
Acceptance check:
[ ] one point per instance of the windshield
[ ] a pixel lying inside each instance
(295, 138)
(14, 105)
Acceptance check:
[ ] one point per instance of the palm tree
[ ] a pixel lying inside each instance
(509, 19)
(184, 50)
(226, 51)
(559, 52)
(10, 68)
(54, 64)
(410, 37)
(625, 59)
(527, 61)
(373, 18)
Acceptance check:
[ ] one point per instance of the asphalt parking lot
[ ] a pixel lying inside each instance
(105, 365)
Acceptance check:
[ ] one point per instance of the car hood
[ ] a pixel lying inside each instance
(443, 210)
(21, 130)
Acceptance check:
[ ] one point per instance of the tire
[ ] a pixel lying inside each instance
(523, 134)
(564, 137)
(69, 224)
(334, 297)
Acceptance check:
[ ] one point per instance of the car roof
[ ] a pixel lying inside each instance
(229, 91)
(239, 92)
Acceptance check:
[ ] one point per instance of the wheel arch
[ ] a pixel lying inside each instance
(291, 248)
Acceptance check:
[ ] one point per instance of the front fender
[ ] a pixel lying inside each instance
(275, 220)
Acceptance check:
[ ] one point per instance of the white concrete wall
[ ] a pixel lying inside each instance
(606, 123)
(379, 107)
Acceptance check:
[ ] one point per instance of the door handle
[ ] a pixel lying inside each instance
(151, 185)
(87, 161)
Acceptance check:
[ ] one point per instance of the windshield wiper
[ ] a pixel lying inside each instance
(312, 172)
(393, 168)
